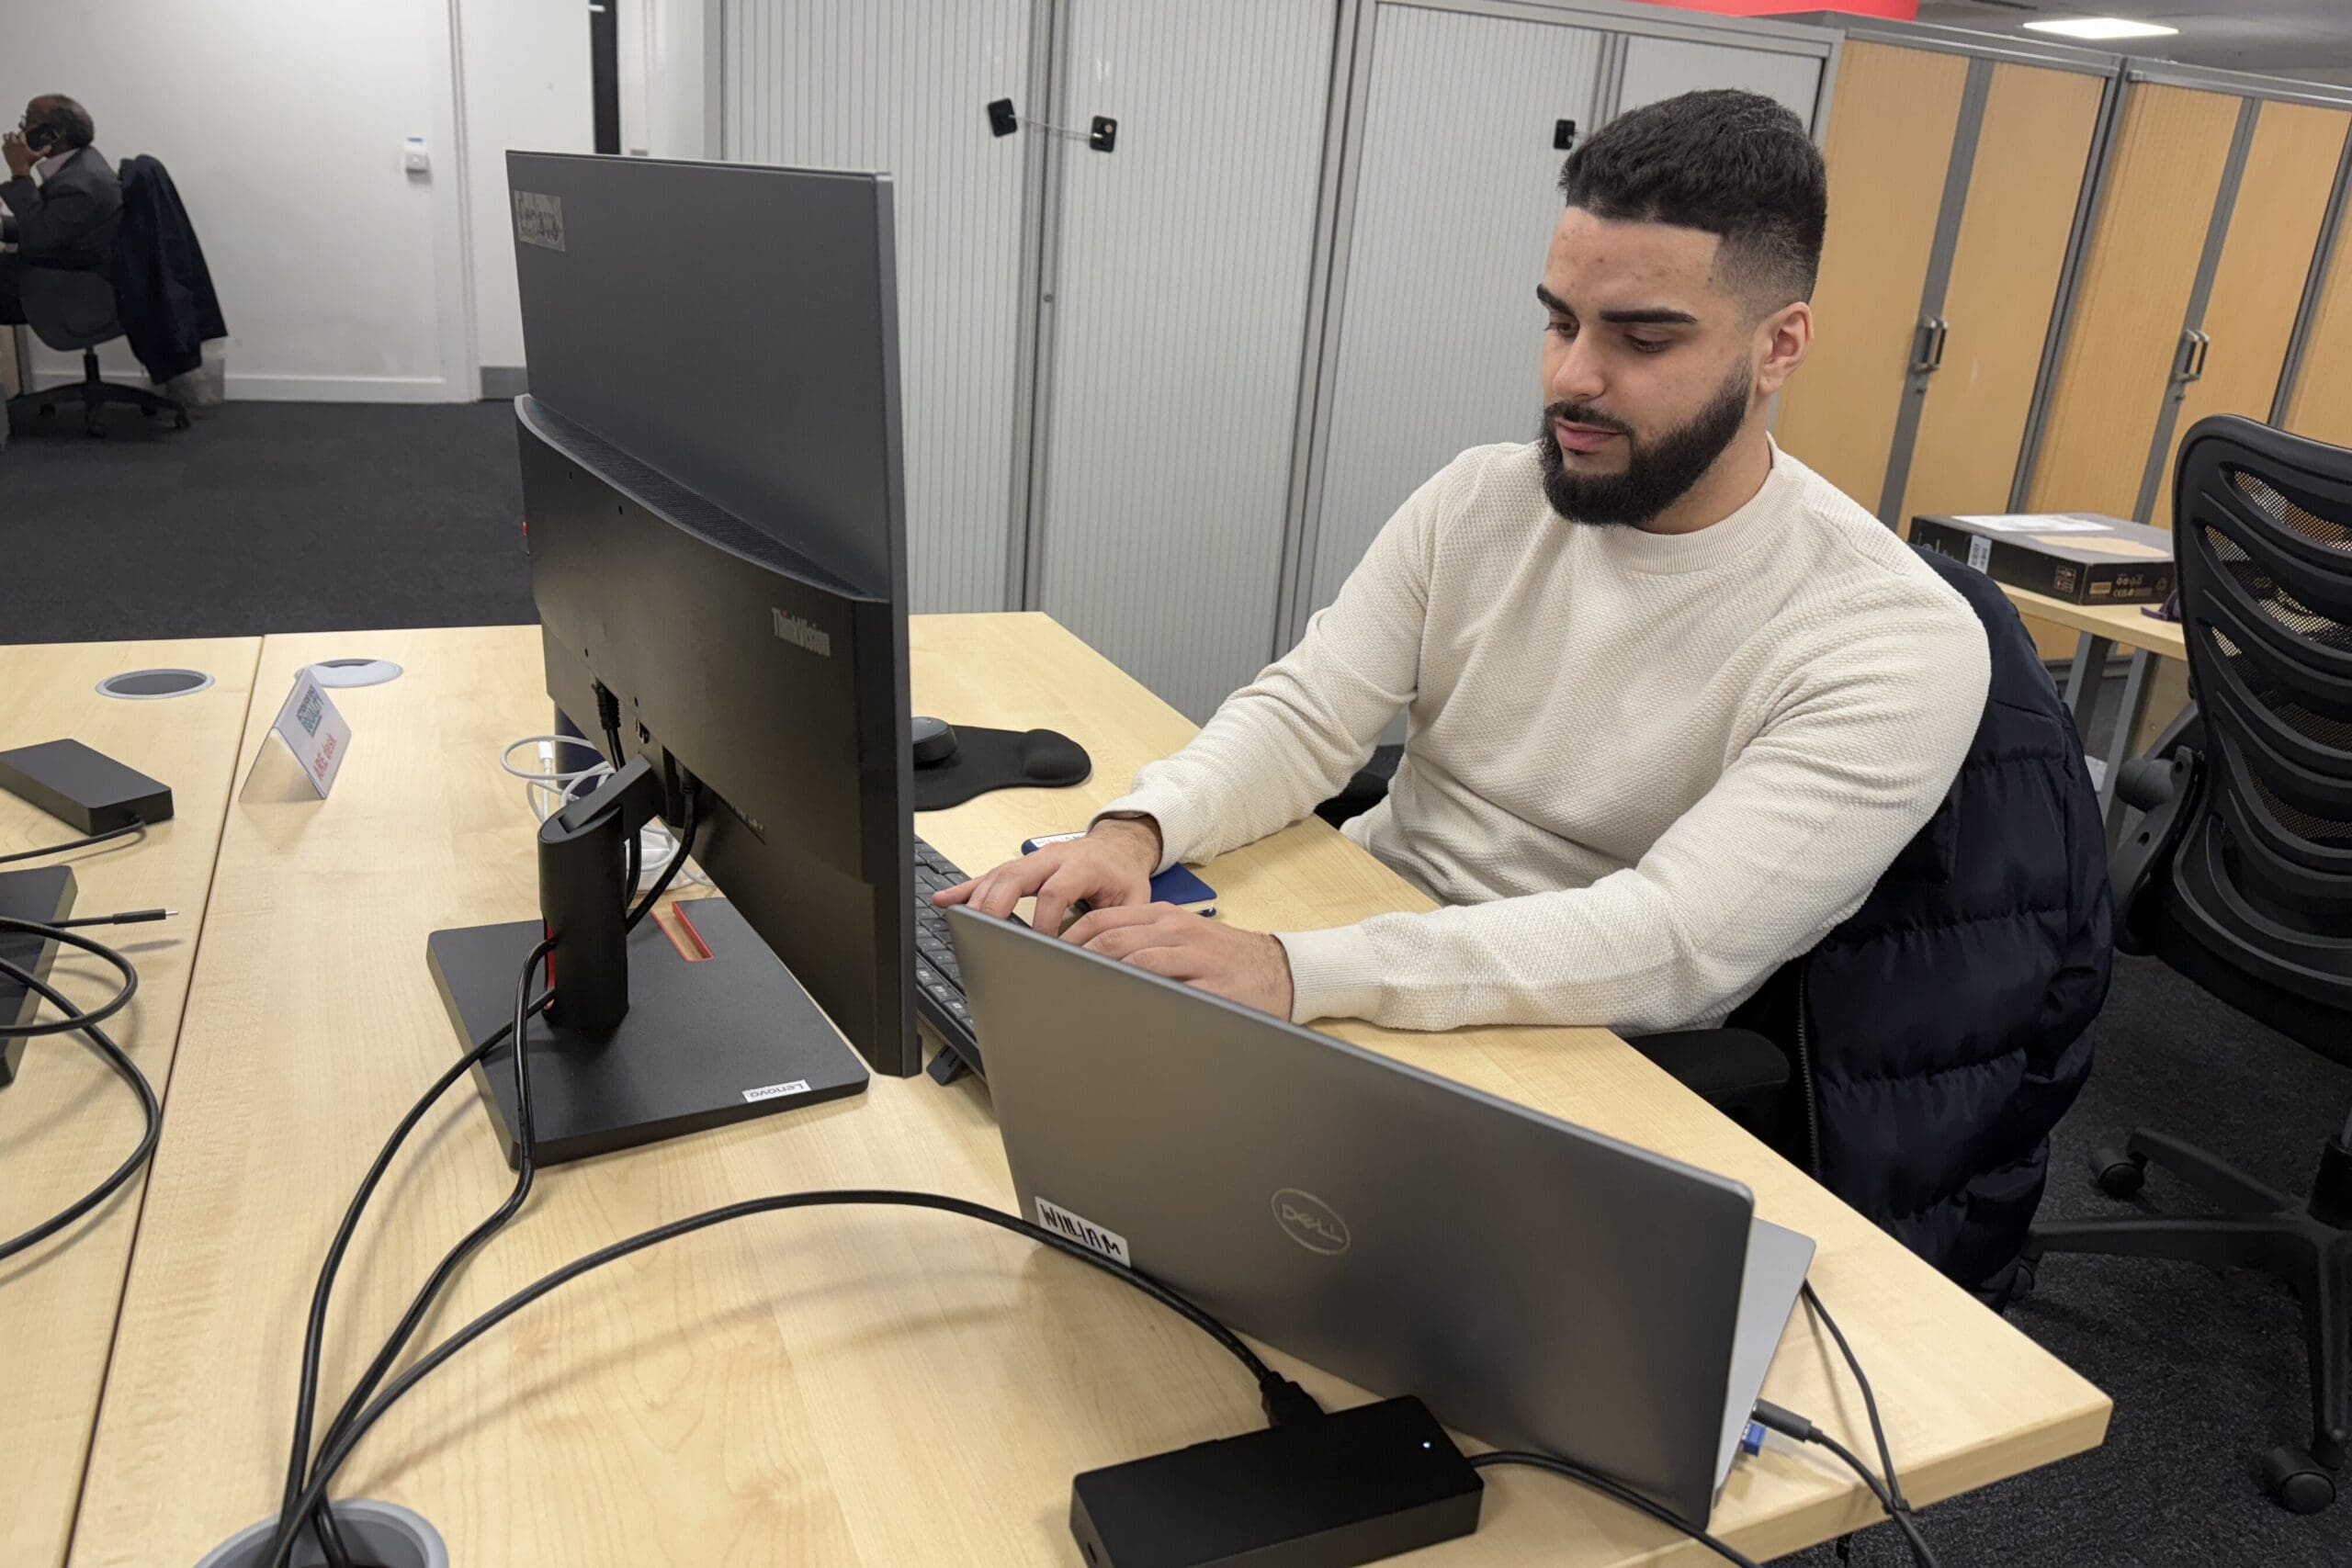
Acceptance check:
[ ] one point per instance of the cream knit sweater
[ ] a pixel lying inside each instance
(1642, 770)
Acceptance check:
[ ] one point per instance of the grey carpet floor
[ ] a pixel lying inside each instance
(264, 517)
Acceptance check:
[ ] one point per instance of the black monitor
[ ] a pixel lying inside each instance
(713, 492)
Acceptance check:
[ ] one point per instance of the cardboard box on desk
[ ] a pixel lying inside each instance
(2080, 557)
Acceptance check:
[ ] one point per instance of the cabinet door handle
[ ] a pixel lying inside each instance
(1922, 345)
(1943, 336)
(2204, 347)
(2189, 363)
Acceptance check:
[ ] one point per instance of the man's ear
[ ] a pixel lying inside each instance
(1784, 336)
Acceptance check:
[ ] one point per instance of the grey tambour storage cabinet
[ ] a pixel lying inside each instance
(899, 86)
(1175, 320)
(1455, 192)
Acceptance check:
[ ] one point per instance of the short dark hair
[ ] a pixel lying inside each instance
(68, 120)
(1735, 165)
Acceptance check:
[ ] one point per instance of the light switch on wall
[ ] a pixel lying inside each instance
(413, 156)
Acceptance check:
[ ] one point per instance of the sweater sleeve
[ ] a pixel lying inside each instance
(1863, 740)
(1291, 738)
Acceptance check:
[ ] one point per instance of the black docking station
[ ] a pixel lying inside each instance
(88, 789)
(1329, 1491)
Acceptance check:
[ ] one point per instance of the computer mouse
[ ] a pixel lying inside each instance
(934, 741)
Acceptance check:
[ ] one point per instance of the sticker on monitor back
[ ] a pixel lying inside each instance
(775, 1091)
(1084, 1232)
(538, 219)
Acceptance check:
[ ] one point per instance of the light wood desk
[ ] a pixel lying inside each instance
(878, 1386)
(68, 1120)
(2102, 629)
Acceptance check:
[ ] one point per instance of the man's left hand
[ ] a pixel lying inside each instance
(21, 157)
(1248, 967)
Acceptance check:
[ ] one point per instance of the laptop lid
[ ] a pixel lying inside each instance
(1535, 1283)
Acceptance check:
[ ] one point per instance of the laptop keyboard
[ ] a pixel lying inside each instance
(939, 979)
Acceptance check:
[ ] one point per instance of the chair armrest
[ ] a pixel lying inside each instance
(2144, 782)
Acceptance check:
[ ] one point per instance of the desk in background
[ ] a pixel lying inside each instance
(68, 1120)
(2102, 629)
(876, 1386)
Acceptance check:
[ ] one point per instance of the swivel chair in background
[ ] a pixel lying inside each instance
(2240, 876)
(70, 309)
(154, 289)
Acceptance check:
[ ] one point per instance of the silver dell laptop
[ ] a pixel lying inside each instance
(1536, 1284)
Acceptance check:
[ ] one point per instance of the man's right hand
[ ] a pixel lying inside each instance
(1109, 868)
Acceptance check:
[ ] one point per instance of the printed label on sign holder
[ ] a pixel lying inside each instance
(1084, 1232)
(314, 730)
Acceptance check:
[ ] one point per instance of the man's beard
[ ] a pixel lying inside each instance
(1656, 474)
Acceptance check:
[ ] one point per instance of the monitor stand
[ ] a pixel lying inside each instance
(707, 1040)
(46, 895)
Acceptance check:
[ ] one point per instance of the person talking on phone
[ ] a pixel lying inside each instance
(1675, 701)
(63, 198)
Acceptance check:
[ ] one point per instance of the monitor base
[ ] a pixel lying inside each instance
(706, 1041)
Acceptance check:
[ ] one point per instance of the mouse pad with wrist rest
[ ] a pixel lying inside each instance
(1000, 759)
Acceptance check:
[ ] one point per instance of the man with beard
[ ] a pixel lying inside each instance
(1676, 703)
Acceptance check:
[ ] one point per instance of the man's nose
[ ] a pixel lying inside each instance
(1577, 375)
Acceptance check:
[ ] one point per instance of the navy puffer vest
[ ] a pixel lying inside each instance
(1943, 1029)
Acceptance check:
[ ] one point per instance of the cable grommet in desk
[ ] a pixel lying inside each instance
(382, 1535)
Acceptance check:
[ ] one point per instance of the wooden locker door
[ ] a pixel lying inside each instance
(2133, 299)
(2022, 191)
(1891, 126)
(2265, 259)
(2321, 406)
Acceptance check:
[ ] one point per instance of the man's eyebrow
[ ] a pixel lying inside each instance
(1650, 316)
(1551, 301)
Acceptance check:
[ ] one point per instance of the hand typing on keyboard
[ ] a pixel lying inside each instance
(1110, 868)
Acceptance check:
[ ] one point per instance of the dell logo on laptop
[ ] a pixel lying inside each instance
(800, 634)
(1310, 1222)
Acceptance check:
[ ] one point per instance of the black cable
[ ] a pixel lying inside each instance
(608, 710)
(1896, 1509)
(126, 830)
(333, 1456)
(78, 1020)
(128, 918)
(115, 1057)
(1869, 1400)
(323, 1517)
(1608, 1488)
(677, 859)
(314, 1333)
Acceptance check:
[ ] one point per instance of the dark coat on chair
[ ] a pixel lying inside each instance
(1943, 1028)
(163, 290)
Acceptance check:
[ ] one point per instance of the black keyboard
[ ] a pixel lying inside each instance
(939, 979)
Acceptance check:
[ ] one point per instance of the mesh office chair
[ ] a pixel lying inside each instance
(2241, 875)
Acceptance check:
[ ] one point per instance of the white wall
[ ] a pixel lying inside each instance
(342, 278)
(526, 72)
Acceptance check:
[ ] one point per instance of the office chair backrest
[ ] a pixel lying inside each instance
(2263, 874)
